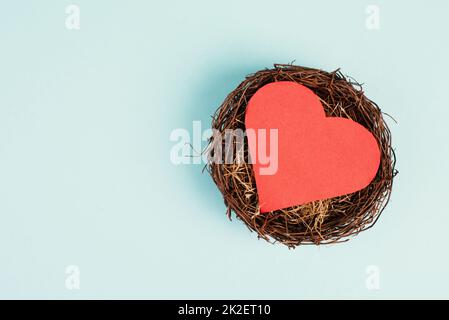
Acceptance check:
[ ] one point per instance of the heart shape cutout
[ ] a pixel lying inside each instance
(317, 158)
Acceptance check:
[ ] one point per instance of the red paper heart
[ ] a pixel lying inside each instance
(319, 157)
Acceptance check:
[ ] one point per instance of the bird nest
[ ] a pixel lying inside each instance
(318, 222)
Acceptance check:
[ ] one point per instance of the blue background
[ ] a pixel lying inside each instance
(85, 172)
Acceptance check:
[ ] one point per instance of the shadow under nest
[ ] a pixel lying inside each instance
(319, 222)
